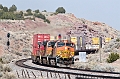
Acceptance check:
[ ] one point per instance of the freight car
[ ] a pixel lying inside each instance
(52, 52)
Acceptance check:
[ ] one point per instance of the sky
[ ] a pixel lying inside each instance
(105, 11)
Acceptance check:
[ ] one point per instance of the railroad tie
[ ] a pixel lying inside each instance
(41, 74)
(59, 76)
(51, 74)
(55, 75)
(33, 74)
(28, 74)
(17, 74)
(23, 73)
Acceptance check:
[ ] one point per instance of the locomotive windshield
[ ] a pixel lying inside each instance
(60, 44)
(70, 44)
(51, 43)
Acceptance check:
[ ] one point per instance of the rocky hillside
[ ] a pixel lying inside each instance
(22, 30)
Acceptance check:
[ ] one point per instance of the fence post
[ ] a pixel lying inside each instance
(55, 75)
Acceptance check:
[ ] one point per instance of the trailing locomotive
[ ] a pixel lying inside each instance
(51, 52)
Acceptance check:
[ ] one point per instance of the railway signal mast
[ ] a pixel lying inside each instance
(8, 42)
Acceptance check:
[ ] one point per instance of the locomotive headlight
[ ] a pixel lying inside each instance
(65, 48)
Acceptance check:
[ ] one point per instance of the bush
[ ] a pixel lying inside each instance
(60, 10)
(9, 75)
(40, 16)
(47, 21)
(113, 57)
(7, 69)
(6, 59)
(117, 40)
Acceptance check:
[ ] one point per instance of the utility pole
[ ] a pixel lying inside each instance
(100, 47)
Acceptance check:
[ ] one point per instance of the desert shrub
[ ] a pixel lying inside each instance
(26, 50)
(6, 58)
(1, 67)
(1, 60)
(47, 21)
(7, 68)
(9, 75)
(117, 40)
(40, 16)
(113, 57)
(18, 53)
(55, 13)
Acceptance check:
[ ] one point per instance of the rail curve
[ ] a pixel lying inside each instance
(72, 71)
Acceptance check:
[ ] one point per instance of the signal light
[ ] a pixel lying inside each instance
(8, 43)
(8, 35)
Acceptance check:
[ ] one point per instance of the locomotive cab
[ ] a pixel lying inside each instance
(65, 52)
(50, 48)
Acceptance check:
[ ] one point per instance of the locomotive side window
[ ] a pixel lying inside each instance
(49, 44)
(60, 44)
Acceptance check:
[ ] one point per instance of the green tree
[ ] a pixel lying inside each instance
(44, 11)
(18, 16)
(21, 13)
(5, 9)
(1, 13)
(28, 10)
(47, 21)
(1, 7)
(8, 15)
(60, 10)
(40, 16)
(13, 8)
(37, 11)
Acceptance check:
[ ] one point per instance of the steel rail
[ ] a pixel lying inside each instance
(21, 64)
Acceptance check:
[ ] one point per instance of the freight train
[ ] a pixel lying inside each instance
(52, 52)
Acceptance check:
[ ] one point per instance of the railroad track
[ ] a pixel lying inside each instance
(77, 73)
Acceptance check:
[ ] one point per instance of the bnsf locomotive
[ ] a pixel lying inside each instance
(51, 52)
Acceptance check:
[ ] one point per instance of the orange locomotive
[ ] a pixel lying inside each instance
(56, 51)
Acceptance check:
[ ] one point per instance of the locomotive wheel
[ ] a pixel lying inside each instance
(53, 62)
(44, 61)
(37, 60)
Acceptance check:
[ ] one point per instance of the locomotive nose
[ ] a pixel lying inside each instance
(67, 48)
